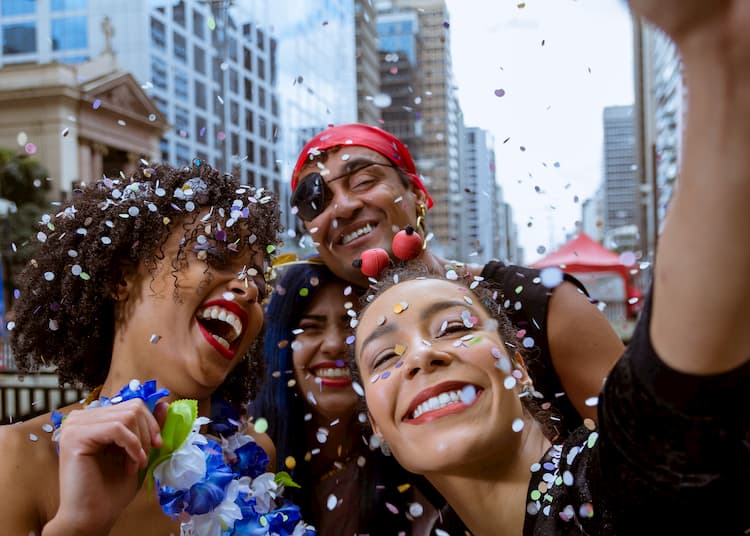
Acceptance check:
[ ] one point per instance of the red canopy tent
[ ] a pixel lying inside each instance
(585, 255)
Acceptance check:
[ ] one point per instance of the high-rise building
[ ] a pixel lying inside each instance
(481, 230)
(317, 76)
(622, 210)
(211, 72)
(660, 99)
(398, 41)
(437, 158)
(368, 63)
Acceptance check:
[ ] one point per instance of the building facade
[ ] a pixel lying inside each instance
(438, 157)
(622, 208)
(210, 72)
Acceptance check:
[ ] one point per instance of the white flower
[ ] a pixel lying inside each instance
(265, 490)
(226, 514)
(187, 465)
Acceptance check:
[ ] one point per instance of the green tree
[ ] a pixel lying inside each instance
(23, 182)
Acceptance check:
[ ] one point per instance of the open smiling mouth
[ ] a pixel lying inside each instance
(362, 231)
(439, 403)
(332, 374)
(222, 323)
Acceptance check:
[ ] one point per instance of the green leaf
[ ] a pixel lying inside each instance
(180, 418)
(285, 479)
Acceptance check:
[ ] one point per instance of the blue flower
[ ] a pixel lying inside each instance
(251, 460)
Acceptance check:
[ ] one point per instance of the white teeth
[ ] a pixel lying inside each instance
(221, 314)
(437, 402)
(356, 234)
(221, 341)
(335, 372)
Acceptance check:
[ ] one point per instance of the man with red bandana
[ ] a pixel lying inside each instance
(356, 186)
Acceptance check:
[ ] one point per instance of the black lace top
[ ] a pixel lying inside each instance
(671, 455)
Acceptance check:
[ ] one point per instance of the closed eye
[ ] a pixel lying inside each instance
(382, 359)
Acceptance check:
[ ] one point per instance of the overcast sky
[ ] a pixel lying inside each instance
(559, 63)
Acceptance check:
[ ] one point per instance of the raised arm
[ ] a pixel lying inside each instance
(702, 270)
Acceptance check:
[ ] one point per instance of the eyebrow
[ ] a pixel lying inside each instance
(428, 312)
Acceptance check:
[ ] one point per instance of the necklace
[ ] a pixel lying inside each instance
(214, 488)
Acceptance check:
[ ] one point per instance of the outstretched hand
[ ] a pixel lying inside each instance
(710, 25)
(101, 452)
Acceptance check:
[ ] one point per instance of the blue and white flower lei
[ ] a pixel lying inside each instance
(215, 489)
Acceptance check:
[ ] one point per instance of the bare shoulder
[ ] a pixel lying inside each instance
(28, 467)
(264, 441)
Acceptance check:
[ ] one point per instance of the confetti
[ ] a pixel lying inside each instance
(332, 502)
(499, 92)
(261, 426)
(154, 338)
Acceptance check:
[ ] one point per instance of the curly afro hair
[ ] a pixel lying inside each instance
(65, 315)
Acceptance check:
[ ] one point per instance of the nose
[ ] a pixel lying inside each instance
(344, 203)
(334, 342)
(425, 358)
(245, 289)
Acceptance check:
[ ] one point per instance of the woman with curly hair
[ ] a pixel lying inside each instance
(155, 277)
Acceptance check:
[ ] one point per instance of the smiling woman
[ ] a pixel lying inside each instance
(669, 455)
(155, 277)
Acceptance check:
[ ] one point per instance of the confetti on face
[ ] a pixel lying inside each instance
(154, 338)
(517, 425)
(509, 382)
(592, 401)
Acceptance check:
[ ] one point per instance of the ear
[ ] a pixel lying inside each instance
(126, 284)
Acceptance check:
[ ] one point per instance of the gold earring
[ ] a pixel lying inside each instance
(421, 224)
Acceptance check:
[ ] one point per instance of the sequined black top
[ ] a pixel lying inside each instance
(671, 455)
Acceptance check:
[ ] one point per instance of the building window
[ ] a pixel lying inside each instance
(180, 47)
(248, 90)
(199, 28)
(247, 60)
(181, 121)
(178, 13)
(161, 104)
(200, 94)
(263, 157)
(18, 7)
(250, 150)
(262, 127)
(261, 68)
(259, 38)
(234, 113)
(274, 106)
(65, 5)
(234, 84)
(249, 128)
(182, 154)
(19, 38)
(199, 59)
(232, 49)
(158, 34)
(164, 149)
(158, 72)
(235, 144)
(272, 60)
(217, 71)
(69, 33)
(261, 97)
(200, 128)
(180, 85)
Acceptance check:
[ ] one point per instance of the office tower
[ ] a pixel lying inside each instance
(437, 111)
(481, 228)
(660, 100)
(368, 63)
(621, 180)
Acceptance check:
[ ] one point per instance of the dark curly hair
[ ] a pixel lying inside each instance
(487, 293)
(65, 315)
